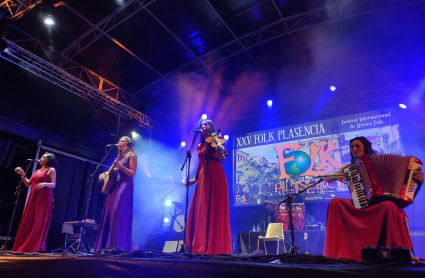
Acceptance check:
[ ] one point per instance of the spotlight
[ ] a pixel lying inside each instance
(183, 180)
(166, 219)
(134, 134)
(182, 144)
(269, 102)
(226, 137)
(49, 20)
(402, 105)
(204, 116)
(168, 202)
(333, 88)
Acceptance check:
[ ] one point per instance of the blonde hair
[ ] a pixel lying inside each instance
(129, 143)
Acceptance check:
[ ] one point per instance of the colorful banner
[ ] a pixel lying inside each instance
(267, 164)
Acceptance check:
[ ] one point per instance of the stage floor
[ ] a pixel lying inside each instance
(157, 264)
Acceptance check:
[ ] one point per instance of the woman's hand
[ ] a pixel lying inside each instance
(19, 171)
(117, 164)
(103, 176)
(418, 175)
(191, 182)
(39, 186)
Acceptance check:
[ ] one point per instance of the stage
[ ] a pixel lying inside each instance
(149, 263)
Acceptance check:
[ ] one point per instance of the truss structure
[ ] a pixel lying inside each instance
(61, 78)
(13, 9)
(337, 11)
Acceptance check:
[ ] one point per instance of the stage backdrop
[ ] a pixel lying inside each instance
(267, 163)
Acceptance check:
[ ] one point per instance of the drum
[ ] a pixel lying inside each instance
(178, 224)
(298, 215)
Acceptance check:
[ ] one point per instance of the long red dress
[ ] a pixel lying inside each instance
(350, 229)
(116, 223)
(35, 222)
(208, 222)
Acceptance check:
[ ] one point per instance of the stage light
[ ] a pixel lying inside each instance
(226, 137)
(49, 20)
(134, 134)
(182, 180)
(166, 219)
(332, 88)
(269, 102)
(204, 116)
(402, 105)
(182, 144)
(168, 202)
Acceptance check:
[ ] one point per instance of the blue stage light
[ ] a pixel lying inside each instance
(402, 105)
(182, 144)
(134, 134)
(168, 202)
(204, 116)
(269, 102)
(226, 137)
(333, 88)
(166, 219)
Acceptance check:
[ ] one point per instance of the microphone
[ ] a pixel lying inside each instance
(34, 160)
(196, 131)
(111, 145)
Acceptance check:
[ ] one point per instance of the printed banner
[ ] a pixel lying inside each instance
(269, 164)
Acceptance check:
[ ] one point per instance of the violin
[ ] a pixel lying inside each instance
(216, 140)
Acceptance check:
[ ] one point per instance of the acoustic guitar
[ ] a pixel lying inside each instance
(110, 179)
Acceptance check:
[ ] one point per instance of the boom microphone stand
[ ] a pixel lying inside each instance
(18, 194)
(288, 201)
(188, 159)
(80, 246)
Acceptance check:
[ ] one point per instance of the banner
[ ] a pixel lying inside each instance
(269, 164)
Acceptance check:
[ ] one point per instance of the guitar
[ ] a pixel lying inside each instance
(109, 180)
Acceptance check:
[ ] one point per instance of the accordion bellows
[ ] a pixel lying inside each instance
(379, 177)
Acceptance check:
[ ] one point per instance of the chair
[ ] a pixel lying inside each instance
(274, 233)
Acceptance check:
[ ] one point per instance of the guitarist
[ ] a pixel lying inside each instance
(115, 228)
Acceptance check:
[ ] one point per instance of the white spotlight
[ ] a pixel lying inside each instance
(269, 102)
(402, 105)
(204, 116)
(182, 144)
(166, 219)
(49, 20)
(134, 134)
(226, 137)
(168, 202)
(332, 88)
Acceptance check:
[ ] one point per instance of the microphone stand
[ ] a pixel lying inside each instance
(18, 194)
(183, 248)
(288, 200)
(91, 177)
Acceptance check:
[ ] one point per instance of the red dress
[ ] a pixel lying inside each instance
(350, 229)
(35, 222)
(208, 222)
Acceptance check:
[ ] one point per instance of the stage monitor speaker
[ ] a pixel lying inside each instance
(386, 255)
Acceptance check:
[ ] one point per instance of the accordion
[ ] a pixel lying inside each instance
(380, 177)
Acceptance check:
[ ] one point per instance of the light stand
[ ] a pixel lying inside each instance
(183, 249)
(18, 194)
(288, 201)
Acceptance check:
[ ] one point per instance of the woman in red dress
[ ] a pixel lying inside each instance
(32, 232)
(208, 222)
(350, 229)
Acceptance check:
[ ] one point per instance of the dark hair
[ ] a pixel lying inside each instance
(367, 146)
(210, 129)
(51, 159)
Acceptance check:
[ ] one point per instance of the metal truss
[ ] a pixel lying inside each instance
(13, 9)
(374, 100)
(61, 78)
(40, 49)
(103, 27)
(340, 10)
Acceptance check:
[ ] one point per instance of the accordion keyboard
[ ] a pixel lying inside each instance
(357, 189)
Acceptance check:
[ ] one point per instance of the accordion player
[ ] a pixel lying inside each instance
(378, 177)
